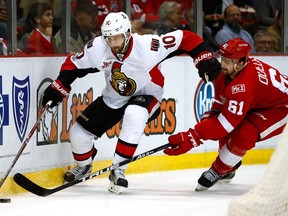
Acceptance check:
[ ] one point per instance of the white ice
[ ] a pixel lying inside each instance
(159, 193)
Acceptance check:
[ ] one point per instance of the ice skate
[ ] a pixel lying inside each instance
(207, 180)
(77, 172)
(226, 178)
(118, 181)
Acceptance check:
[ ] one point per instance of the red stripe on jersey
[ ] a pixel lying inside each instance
(156, 76)
(131, 42)
(85, 156)
(190, 40)
(68, 64)
(152, 105)
(125, 149)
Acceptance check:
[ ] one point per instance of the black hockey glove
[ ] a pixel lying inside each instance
(208, 66)
(55, 92)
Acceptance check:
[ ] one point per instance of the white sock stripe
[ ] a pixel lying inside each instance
(228, 157)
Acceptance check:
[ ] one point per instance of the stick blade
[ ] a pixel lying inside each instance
(30, 186)
(5, 200)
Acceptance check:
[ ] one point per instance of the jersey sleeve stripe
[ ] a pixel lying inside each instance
(225, 123)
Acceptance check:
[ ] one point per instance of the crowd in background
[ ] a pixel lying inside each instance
(39, 30)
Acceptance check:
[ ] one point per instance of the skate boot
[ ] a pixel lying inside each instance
(77, 172)
(207, 180)
(117, 181)
(226, 178)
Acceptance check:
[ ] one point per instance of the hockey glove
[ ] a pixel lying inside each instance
(55, 92)
(208, 66)
(210, 114)
(182, 142)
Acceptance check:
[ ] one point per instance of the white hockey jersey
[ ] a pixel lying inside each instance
(136, 72)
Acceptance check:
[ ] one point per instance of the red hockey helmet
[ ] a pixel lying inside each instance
(235, 48)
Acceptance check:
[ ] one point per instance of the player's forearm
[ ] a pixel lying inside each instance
(210, 129)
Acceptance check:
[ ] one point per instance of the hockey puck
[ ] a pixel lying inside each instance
(2, 200)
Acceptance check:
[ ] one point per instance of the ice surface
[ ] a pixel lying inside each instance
(159, 193)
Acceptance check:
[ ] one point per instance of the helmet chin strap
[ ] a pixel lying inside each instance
(126, 41)
(232, 76)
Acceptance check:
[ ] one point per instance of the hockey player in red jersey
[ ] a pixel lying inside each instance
(251, 105)
(133, 91)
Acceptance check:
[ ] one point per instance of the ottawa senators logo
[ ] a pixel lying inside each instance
(120, 82)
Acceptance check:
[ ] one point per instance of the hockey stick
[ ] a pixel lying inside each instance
(25, 142)
(32, 187)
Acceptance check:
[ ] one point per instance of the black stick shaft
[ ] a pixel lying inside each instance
(24, 144)
(32, 187)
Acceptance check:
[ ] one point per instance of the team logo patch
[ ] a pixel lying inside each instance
(106, 64)
(21, 105)
(155, 44)
(124, 85)
(238, 88)
(203, 99)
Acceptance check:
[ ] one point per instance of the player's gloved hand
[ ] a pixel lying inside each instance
(55, 92)
(182, 142)
(210, 114)
(208, 66)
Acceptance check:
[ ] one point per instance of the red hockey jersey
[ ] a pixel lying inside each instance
(257, 86)
(38, 44)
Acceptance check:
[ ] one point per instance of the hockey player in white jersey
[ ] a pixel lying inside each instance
(133, 92)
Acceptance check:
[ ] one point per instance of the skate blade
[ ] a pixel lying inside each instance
(115, 188)
(224, 181)
(201, 188)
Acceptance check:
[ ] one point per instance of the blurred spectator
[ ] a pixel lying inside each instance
(207, 33)
(276, 31)
(139, 28)
(144, 10)
(38, 30)
(232, 27)
(169, 18)
(213, 16)
(83, 26)
(106, 7)
(263, 42)
(56, 6)
(4, 49)
(4, 17)
(142, 14)
(249, 18)
(214, 11)
(266, 11)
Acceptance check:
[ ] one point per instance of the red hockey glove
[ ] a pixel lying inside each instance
(208, 66)
(182, 142)
(210, 114)
(55, 92)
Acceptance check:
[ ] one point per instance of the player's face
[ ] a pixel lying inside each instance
(116, 43)
(228, 65)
